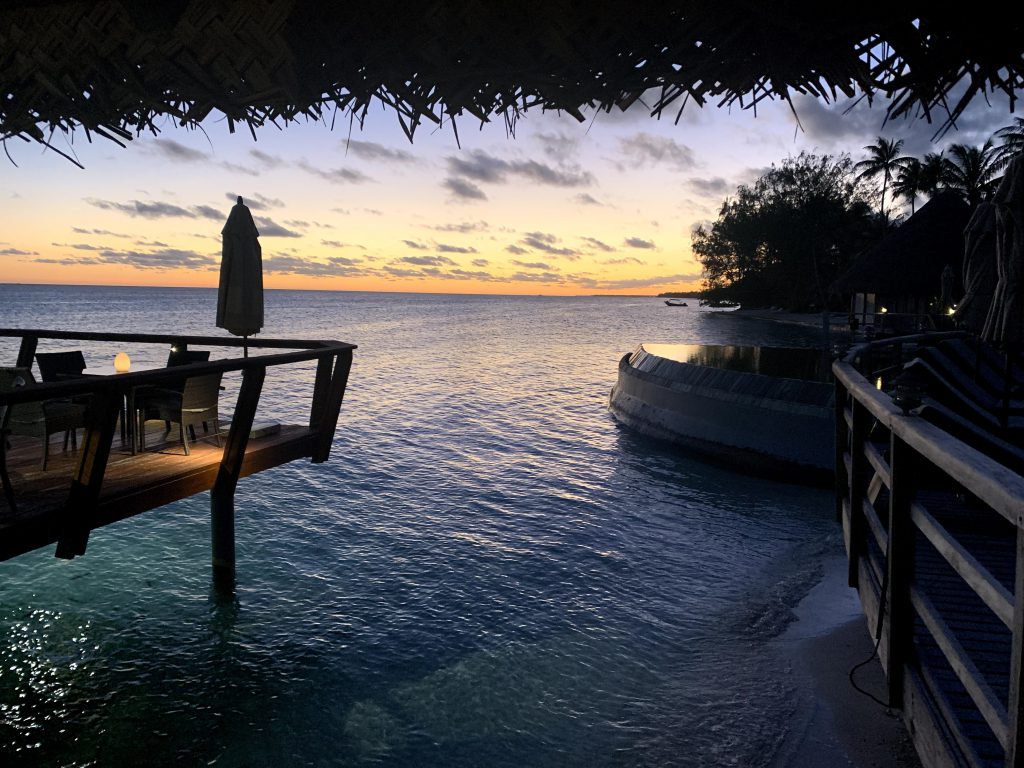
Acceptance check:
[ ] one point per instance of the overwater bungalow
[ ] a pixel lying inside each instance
(953, 647)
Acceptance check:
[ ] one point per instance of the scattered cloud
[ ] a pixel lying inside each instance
(599, 244)
(209, 212)
(623, 260)
(480, 166)
(270, 228)
(266, 160)
(538, 277)
(516, 250)
(461, 188)
(715, 186)
(371, 150)
(255, 201)
(17, 252)
(638, 242)
(417, 246)
(236, 168)
(339, 244)
(81, 231)
(558, 146)
(446, 248)
(164, 258)
(427, 261)
(156, 210)
(648, 149)
(532, 264)
(82, 246)
(334, 175)
(480, 262)
(639, 282)
(542, 241)
(584, 198)
(464, 228)
(179, 152)
(334, 266)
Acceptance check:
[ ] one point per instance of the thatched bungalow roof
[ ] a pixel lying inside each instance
(115, 67)
(910, 260)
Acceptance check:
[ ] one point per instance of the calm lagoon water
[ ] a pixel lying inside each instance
(488, 572)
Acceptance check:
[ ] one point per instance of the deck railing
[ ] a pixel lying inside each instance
(108, 393)
(934, 530)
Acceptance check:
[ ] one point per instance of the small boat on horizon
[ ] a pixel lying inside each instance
(676, 303)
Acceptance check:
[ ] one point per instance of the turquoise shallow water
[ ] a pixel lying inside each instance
(489, 571)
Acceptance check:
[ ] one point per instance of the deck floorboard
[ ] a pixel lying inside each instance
(132, 484)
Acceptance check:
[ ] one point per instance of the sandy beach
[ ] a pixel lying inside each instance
(844, 727)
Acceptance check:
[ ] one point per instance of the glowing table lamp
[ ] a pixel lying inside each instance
(122, 362)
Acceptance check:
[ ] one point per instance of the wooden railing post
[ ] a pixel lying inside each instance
(327, 422)
(857, 484)
(905, 465)
(222, 496)
(321, 386)
(842, 438)
(27, 350)
(76, 518)
(1015, 711)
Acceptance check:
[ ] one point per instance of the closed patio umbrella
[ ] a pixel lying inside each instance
(240, 298)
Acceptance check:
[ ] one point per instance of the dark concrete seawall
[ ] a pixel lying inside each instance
(762, 423)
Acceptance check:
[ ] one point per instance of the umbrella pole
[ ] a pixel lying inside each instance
(245, 345)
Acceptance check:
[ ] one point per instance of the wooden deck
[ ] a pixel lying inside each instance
(934, 530)
(132, 484)
(104, 482)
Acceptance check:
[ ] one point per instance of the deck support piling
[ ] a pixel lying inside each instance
(222, 496)
(76, 517)
(326, 403)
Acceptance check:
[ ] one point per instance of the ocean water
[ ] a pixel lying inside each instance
(489, 571)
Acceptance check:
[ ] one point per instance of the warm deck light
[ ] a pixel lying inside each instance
(122, 362)
(883, 310)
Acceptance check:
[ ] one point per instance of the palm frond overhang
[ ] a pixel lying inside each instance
(117, 68)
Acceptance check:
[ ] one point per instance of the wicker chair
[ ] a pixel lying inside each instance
(58, 366)
(196, 403)
(40, 418)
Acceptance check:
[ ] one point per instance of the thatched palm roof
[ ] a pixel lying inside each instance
(114, 67)
(909, 261)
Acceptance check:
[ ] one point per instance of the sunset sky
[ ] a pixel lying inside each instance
(605, 206)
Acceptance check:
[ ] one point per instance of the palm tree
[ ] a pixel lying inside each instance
(933, 173)
(1012, 137)
(883, 160)
(971, 170)
(908, 182)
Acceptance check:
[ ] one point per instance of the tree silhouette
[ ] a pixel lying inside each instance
(884, 159)
(971, 170)
(1012, 137)
(909, 181)
(784, 240)
(933, 173)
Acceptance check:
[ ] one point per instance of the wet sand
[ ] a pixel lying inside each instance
(843, 727)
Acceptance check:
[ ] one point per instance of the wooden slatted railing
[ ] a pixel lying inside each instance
(894, 468)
